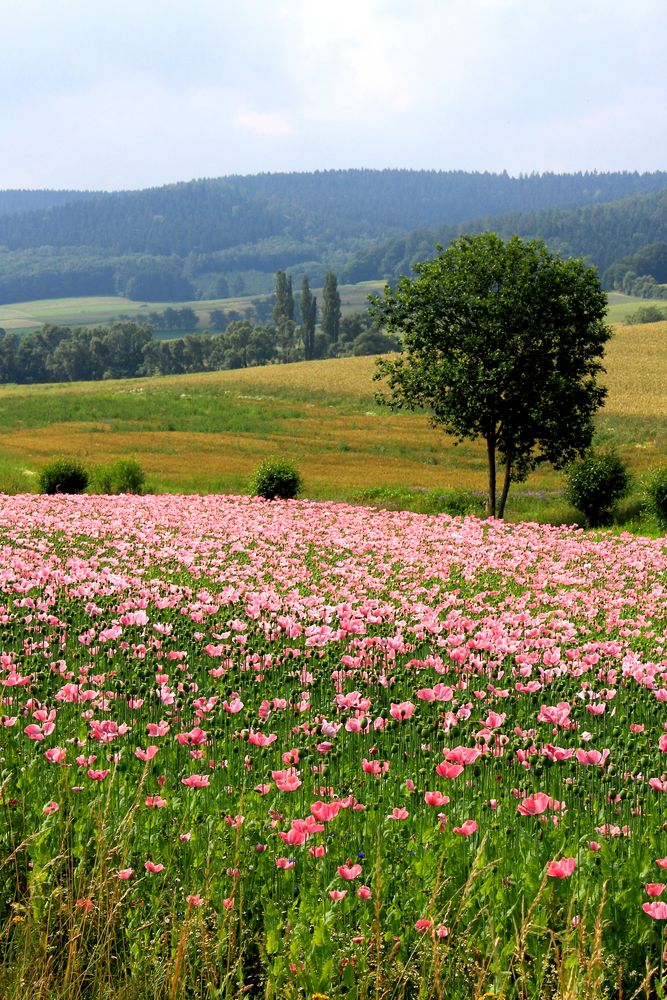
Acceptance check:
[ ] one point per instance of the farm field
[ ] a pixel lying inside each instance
(207, 433)
(23, 317)
(301, 750)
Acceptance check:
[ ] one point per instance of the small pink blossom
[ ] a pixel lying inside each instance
(466, 829)
(562, 868)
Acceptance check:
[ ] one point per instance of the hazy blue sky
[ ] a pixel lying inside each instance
(134, 93)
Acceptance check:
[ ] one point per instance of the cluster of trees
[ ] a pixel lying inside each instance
(643, 273)
(216, 238)
(127, 349)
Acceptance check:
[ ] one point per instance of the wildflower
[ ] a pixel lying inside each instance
(466, 829)
(398, 812)
(196, 781)
(349, 873)
(562, 868)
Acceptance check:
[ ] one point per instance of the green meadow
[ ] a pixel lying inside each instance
(23, 317)
(208, 432)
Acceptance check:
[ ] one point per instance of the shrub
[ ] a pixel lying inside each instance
(647, 314)
(63, 475)
(595, 483)
(123, 476)
(655, 495)
(276, 479)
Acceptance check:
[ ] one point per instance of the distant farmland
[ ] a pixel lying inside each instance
(208, 432)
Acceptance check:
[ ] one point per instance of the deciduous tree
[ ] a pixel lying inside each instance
(500, 341)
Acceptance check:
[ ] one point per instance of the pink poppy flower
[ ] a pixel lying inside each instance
(50, 807)
(97, 775)
(435, 798)
(595, 757)
(401, 711)
(654, 888)
(423, 925)
(467, 829)
(364, 892)
(562, 868)
(661, 862)
(337, 894)
(196, 781)
(349, 873)
(534, 805)
(398, 812)
(656, 910)
(285, 863)
(195, 899)
(154, 868)
(447, 770)
(325, 811)
(155, 801)
(124, 873)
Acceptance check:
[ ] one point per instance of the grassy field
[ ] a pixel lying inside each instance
(22, 317)
(208, 432)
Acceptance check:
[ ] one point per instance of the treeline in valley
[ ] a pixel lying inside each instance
(298, 329)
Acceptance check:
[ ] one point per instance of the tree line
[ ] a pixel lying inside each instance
(127, 349)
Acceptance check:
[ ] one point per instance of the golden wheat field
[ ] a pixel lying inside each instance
(208, 432)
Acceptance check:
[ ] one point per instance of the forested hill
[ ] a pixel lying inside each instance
(606, 234)
(27, 201)
(213, 238)
(209, 215)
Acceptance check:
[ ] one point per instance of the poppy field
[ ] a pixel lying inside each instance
(301, 750)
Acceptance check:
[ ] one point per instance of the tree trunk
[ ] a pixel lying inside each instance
(491, 455)
(506, 486)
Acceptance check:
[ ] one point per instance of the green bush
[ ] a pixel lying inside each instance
(123, 476)
(595, 483)
(655, 495)
(276, 479)
(63, 475)
(647, 314)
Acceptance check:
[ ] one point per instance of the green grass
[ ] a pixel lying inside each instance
(23, 317)
(621, 306)
(207, 433)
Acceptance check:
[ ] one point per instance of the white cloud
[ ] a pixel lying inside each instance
(273, 124)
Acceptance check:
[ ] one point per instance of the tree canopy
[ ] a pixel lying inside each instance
(500, 341)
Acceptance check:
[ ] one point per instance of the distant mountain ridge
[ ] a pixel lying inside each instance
(211, 238)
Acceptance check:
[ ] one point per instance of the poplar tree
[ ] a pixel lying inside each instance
(331, 308)
(308, 306)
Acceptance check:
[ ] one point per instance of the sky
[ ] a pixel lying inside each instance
(127, 94)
